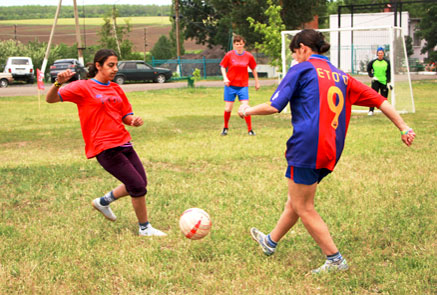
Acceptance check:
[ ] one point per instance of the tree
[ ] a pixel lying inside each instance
(428, 31)
(162, 48)
(213, 22)
(271, 41)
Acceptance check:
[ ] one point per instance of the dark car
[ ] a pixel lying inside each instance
(69, 63)
(138, 70)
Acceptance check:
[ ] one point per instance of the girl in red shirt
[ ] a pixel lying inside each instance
(103, 110)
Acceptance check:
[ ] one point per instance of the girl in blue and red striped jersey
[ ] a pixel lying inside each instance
(320, 97)
(103, 110)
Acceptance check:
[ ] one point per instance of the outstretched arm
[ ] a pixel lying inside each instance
(261, 109)
(133, 121)
(407, 133)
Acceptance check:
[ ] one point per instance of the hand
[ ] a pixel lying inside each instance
(136, 121)
(226, 81)
(242, 110)
(64, 76)
(257, 86)
(374, 78)
(408, 137)
(390, 86)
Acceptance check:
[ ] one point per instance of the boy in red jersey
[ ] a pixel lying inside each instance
(321, 98)
(103, 109)
(237, 80)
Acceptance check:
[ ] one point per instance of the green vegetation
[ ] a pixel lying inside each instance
(96, 11)
(380, 203)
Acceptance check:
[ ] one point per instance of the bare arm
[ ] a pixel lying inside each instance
(225, 77)
(261, 109)
(255, 76)
(52, 95)
(132, 120)
(407, 133)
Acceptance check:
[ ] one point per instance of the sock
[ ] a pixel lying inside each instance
(107, 199)
(270, 242)
(144, 225)
(334, 258)
(248, 122)
(227, 116)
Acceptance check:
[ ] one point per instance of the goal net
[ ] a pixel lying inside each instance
(353, 48)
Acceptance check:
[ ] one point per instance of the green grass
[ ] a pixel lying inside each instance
(97, 21)
(380, 203)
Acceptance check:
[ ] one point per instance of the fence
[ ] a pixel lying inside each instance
(186, 67)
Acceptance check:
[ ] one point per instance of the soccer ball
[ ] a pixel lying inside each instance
(195, 223)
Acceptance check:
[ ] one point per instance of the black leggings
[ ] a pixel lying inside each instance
(379, 87)
(125, 165)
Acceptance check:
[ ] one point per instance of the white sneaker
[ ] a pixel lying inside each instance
(150, 231)
(105, 210)
(370, 113)
(329, 266)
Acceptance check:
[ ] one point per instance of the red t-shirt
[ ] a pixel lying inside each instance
(237, 67)
(101, 108)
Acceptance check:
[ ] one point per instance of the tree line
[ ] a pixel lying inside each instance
(41, 12)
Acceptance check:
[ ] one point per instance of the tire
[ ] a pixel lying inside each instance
(160, 79)
(53, 79)
(31, 80)
(4, 83)
(119, 80)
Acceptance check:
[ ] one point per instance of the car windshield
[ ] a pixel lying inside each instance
(20, 61)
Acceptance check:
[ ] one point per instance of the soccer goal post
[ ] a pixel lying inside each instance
(353, 48)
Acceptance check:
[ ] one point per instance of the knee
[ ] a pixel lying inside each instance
(137, 190)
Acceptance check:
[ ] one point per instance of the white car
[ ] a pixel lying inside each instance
(21, 68)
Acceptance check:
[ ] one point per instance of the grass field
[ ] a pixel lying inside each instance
(96, 21)
(380, 203)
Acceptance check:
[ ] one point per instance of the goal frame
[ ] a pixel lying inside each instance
(390, 29)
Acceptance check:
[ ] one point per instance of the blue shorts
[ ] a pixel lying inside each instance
(306, 176)
(232, 91)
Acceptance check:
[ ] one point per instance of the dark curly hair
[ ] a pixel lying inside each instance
(311, 38)
(101, 56)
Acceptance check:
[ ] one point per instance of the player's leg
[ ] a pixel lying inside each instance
(375, 87)
(229, 98)
(243, 96)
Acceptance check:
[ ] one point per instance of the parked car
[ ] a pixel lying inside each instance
(5, 79)
(21, 68)
(138, 70)
(68, 63)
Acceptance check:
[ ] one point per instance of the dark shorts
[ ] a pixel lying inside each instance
(125, 165)
(306, 176)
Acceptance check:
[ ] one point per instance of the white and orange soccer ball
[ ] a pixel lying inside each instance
(195, 223)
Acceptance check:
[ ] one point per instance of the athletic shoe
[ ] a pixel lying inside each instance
(370, 113)
(105, 210)
(260, 238)
(224, 132)
(151, 231)
(330, 266)
(251, 133)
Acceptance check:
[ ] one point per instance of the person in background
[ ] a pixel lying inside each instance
(320, 98)
(103, 111)
(236, 80)
(379, 70)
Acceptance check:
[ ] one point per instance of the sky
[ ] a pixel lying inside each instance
(82, 2)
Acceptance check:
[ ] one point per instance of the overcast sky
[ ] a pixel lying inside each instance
(81, 2)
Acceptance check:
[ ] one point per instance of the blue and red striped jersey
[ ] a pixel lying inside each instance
(321, 98)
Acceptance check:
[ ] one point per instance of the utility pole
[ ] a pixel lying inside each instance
(46, 56)
(15, 33)
(145, 43)
(78, 39)
(114, 27)
(178, 47)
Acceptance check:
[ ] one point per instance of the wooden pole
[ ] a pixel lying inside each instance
(78, 39)
(114, 27)
(46, 56)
